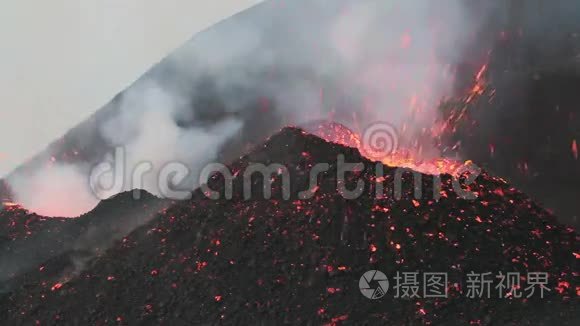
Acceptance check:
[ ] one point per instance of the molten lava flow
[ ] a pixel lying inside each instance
(431, 166)
(10, 204)
(412, 155)
(337, 133)
(334, 132)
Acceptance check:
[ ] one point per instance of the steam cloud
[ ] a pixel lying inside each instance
(354, 61)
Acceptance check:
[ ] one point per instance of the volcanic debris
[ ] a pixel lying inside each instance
(299, 260)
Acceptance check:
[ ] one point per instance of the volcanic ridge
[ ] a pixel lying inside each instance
(298, 260)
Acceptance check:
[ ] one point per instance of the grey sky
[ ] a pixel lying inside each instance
(61, 60)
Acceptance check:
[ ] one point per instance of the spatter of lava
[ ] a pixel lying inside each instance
(340, 134)
(413, 157)
(333, 132)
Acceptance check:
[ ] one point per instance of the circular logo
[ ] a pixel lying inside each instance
(373, 284)
(379, 140)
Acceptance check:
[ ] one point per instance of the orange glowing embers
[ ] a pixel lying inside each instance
(337, 133)
(10, 204)
(56, 287)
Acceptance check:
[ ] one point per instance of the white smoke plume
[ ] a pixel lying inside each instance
(147, 132)
(379, 60)
(57, 190)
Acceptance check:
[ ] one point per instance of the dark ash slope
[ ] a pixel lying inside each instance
(299, 261)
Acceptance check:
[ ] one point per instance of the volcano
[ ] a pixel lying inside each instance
(290, 62)
(298, 259)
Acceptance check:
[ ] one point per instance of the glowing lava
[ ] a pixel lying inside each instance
(334, 132)
(10, 204)
(412, 155)
(340, 134)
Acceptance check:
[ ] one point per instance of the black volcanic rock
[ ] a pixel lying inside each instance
(27, 240)
(298, 261)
